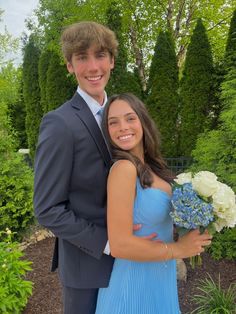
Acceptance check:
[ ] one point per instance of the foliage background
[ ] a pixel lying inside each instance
(177, 56)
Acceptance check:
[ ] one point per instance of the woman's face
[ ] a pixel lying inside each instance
(125, 128)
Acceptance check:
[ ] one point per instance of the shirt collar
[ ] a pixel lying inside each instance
(93, 105)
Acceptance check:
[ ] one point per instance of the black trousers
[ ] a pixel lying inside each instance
(79, 301)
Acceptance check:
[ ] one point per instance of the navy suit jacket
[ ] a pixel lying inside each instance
(71, 167)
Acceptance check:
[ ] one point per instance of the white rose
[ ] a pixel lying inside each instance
(230, 216)
(205, 183)
(226, 218)
(219, 224)
(224, 197)
(184, 178)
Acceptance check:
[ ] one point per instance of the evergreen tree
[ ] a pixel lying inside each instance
(230, 51)
(163, 99)
(31, 93)
(216, 150)
(196, 90)
(17, 116)
(223, 67)
(60, 85)
(44, 60)
(121, 79)
(218, 78)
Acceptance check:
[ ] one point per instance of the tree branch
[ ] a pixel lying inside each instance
(138, 57)
(179, 18)
(170, 15)
(220, 22)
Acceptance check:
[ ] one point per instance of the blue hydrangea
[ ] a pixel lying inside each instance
(190, 211)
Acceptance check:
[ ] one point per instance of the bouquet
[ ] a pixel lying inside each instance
(201, 202)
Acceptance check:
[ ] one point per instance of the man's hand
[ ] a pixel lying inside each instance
(149, 237)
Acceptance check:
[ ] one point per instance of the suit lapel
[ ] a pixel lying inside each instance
(86, 116)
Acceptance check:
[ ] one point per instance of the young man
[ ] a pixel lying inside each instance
(71, 167)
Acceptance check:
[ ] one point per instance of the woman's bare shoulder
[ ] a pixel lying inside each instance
(123, 166)
(122, 178)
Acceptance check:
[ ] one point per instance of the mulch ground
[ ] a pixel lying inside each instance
(46, 298)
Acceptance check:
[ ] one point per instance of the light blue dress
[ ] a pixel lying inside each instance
(144, 287)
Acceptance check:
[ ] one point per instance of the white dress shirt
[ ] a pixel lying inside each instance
(93, 105)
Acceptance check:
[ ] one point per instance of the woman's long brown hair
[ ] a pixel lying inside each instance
(153, 160)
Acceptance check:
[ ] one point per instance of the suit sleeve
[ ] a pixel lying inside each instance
(53, 166)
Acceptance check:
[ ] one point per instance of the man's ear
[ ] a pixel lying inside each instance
(112, 63)
(70, 68)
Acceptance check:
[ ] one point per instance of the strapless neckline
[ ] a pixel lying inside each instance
(154, 189)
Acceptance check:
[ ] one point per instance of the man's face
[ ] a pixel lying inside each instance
(92, 69)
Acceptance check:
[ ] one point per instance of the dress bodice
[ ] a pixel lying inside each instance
(152, 209)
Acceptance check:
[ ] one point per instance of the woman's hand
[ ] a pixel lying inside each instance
(191, 244)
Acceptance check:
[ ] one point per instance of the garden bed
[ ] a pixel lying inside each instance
(47, 295)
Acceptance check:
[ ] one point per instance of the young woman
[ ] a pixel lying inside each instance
(143, 280)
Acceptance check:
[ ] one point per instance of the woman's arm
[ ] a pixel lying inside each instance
(123, 243)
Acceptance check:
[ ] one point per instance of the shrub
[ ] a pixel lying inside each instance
(224, 244)
(7, 140)
(213, 299)
(16, 181)
(14, 289)
(215, 150)
(16, 193)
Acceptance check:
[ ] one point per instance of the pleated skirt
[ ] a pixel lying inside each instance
(140, 288)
